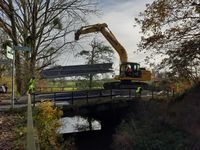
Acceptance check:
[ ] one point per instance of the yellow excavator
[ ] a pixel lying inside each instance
(131, 75)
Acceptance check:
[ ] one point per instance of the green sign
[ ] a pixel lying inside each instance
(5, 61)
(22, 48)
(9, 52)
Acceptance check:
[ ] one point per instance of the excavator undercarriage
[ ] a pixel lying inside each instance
(125, 85)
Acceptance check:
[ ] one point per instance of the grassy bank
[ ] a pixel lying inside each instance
(12, 131)
(162, 125)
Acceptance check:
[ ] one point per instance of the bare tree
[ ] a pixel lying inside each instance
(43, 25)
(4, 67)
(99, 53)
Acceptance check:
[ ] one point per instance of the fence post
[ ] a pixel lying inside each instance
(111, 94)
(100, 94)
(87, 96)
(72, 97)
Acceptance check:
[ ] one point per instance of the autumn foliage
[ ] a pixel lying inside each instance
(47, 123)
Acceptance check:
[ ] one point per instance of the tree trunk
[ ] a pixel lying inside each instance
(90, 82)
(92, 62)
(15, 43)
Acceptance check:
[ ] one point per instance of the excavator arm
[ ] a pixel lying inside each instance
(103, 28)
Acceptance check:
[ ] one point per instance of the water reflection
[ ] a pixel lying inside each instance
(78, 124)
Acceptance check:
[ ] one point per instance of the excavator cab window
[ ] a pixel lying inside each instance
(136, 71)
(122, 70)
(130, 70)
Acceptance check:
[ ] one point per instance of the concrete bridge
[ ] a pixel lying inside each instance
(92, 103)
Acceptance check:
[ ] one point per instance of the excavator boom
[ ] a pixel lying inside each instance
(103, 28)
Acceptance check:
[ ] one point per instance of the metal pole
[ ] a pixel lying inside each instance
(13, 80)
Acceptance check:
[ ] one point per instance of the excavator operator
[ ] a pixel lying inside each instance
(129, 70)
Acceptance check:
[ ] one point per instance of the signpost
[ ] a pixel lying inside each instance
(9, 52)
(11, 55)
(22, 48)
(5, 61)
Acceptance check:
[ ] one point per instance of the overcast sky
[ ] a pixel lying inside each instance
(119, 15)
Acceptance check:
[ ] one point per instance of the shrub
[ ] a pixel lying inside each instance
(47, 123)
(148, 128)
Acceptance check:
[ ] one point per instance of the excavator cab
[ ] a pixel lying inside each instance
(130, 70)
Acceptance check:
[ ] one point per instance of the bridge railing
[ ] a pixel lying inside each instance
(73, 96)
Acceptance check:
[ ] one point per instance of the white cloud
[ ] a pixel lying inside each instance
(120, 19)
(119, 15)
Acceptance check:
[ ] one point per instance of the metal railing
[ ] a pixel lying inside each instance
(72, 96)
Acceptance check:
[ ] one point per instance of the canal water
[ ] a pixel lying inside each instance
(78, 124)
(87, 136)
(95, 134)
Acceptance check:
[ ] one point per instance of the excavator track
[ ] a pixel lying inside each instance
(126, 85)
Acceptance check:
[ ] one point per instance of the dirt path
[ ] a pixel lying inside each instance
(8, 134)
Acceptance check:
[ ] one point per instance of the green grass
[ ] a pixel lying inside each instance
(61, 83)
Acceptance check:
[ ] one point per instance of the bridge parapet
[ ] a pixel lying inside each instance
(96, 96)
(73, 97)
